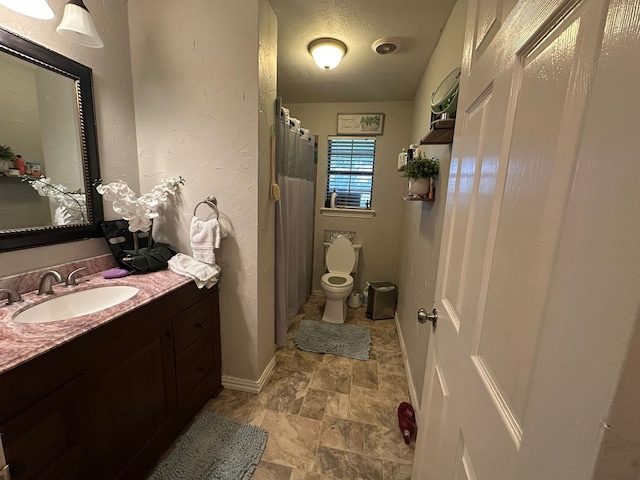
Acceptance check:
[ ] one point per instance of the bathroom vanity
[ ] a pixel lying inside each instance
(110, 401)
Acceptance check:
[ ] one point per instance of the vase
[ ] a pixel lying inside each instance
(419, 186)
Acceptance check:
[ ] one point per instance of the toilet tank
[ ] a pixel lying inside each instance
(356, 248)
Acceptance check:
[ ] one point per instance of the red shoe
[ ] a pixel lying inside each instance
(406, 421)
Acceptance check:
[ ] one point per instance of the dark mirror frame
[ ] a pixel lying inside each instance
(31, 237)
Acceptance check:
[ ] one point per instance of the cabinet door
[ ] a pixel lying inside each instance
(197, 349)
(137, 404)
(50, 440)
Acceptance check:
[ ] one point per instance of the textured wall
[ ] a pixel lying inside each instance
(195, 75)
(422, 221)
(379, 235)
(114, 113)
(20, 122)
(268, 67)
(21, 206)
(62, 151)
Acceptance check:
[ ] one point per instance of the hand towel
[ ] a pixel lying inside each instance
(219, 231)
(203, 274)
(203, 239)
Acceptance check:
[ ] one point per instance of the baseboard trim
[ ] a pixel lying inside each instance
(250, 386)
(405, 359)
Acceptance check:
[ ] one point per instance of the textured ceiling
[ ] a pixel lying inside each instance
(363, 75)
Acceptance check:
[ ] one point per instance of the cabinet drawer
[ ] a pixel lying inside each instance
(194, 323)
(196, 376)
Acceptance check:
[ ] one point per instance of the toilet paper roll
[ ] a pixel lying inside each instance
(355, 300)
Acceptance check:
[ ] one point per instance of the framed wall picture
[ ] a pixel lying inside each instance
(360, 123)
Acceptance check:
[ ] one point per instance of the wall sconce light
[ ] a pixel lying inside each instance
(31, 8)
(77, 25)
(327, 52)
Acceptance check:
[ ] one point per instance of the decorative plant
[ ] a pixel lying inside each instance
(422, 167)
(371, 120)
(6, 153)
(6, 158)
(141, 211)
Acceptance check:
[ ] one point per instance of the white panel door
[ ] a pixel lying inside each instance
(539, 273)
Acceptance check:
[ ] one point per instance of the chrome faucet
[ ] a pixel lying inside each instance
(46, 282)
(71, 278)
(12, 295)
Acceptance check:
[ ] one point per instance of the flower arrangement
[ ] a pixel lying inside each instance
(422, 167)
(138, 211)
(72, 205)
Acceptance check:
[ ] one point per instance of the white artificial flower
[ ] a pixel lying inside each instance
(71, 206)
(139, 224)
(141, 211)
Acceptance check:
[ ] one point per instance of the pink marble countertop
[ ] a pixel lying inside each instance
(20, 342)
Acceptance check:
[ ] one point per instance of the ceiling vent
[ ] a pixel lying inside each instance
(385, 46)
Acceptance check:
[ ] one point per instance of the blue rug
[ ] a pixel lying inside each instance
(214, 447)
(337, 338)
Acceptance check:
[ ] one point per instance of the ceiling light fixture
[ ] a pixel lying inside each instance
(32, 8)
(77, 25)
(327, 52)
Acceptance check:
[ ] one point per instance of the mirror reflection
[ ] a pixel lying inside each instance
(41, 157)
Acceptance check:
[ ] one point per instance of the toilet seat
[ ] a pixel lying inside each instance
(337, 280)
(338, 283)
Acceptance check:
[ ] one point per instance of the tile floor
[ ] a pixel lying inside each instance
(329, 417)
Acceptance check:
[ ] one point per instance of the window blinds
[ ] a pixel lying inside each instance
(350, 171)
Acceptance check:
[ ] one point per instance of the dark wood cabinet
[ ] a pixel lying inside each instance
(49, 440)
(109, 403)
(137, 398)
(197, 340)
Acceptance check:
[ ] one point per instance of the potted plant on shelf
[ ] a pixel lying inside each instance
(7, 158)
(421, 171)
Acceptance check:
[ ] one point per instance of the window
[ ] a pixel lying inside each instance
(350, 171)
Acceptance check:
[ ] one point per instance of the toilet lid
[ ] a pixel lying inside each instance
(340, 256)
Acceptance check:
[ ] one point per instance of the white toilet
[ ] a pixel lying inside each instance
(341, 258)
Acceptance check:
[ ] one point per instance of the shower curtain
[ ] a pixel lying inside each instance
(295, 174)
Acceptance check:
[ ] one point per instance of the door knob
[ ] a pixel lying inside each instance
(424, 316)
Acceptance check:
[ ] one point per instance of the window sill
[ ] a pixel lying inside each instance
(348, 212)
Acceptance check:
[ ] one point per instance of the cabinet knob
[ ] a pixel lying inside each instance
(200, 325)
(201, 369)
(168, 334)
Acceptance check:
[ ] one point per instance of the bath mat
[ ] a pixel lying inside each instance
(214, 447)
(337, 338)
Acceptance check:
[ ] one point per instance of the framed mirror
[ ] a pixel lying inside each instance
(47, 125)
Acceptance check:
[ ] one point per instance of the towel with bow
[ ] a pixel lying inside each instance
(205, 237)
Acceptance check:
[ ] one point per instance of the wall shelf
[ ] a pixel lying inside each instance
(419, 198)
(10, 179)
(441, 132)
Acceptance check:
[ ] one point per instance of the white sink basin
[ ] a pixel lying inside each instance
(76, 304)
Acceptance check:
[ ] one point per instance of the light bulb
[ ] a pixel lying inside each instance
(327, 52)
(32, 8)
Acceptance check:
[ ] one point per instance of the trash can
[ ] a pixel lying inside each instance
(382, 300)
